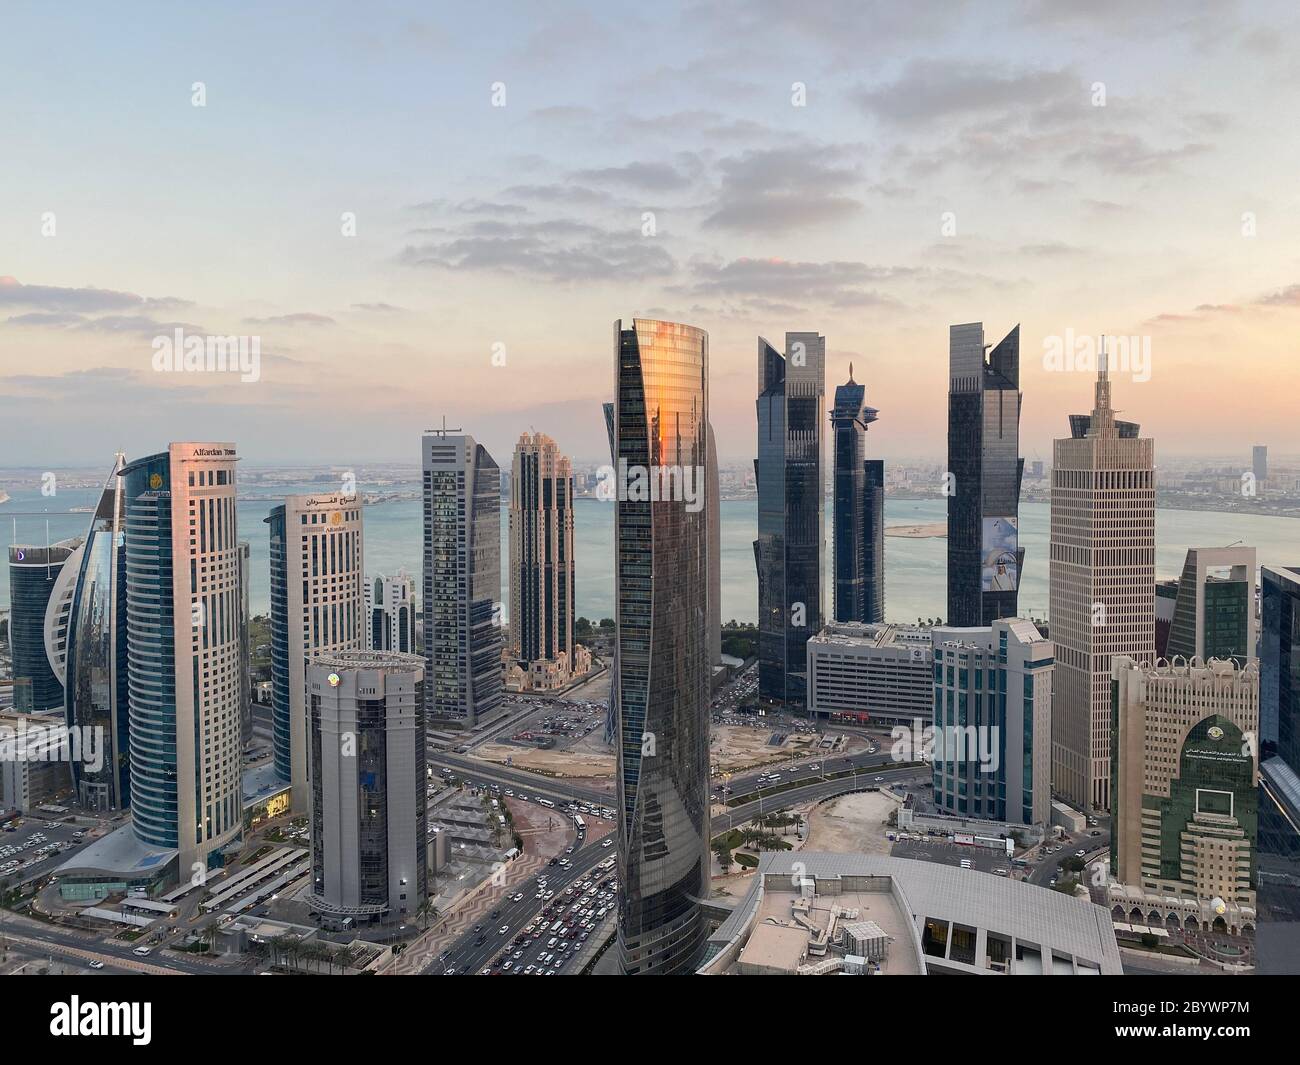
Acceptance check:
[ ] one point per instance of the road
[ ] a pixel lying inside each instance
(469, 957)
(1090, 845)
(50, 940)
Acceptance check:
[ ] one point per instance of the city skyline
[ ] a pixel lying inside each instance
(476, 589)
(1139, 208)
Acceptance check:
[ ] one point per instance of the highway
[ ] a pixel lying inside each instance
(467, 956)
(42, 938)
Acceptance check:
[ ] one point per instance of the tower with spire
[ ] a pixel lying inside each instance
(1102, 584)
(859, 509)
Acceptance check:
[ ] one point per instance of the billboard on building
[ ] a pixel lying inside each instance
(999, 570)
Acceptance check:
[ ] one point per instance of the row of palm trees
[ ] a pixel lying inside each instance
(294, 952)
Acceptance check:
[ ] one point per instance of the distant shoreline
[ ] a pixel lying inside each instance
(919, 532)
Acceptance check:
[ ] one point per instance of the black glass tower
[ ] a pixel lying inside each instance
(33, 572)
(788, 551)
(859, 510)
(661, 676)
(984, 474)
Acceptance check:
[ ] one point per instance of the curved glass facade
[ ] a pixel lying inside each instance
(33, 572)
(662, 665)
(95, 663)
(150, 630)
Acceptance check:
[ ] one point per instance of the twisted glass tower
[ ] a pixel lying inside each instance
(660, 689)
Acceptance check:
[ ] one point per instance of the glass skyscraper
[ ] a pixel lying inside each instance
(462, 579)
(661, 679)
(984, 473)
(859, 509)
(993, 722)
(1278, 896)
(791, 537)
(87, 645)
(33, 572)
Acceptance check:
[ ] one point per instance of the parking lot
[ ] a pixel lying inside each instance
(34, 846)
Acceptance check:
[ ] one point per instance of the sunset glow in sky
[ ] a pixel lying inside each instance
(948, 163)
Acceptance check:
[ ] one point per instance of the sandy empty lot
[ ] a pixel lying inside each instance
(735, 748)
(852, 824)
(568, 764)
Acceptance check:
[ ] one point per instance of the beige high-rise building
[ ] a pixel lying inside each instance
(317, 608)
(1186, 782)
(1102, 586)
(541, 554)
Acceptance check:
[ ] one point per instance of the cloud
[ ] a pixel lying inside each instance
(930, 89)
(652, 177)
(1286, 297)
(557, 250)
(298, 318)
(14, 293)
(379, 308)
(777, 190)
(842, 284)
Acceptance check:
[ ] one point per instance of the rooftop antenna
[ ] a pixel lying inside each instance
(444, 430)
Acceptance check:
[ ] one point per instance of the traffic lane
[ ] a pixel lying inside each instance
(826, 766)
(1091, 847)
(818, 790)
(466, 956)
(52, 940)
(512, 913)
(518, 779)
(519, 915)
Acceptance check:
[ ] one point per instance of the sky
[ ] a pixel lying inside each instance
(422, 213)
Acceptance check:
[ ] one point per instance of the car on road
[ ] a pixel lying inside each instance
(503, 930)
(96, 964)
(608, 843)
(142, 952)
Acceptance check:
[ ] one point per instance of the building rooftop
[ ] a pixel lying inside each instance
(948, 919)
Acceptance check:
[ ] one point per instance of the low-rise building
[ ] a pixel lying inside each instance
(864, 672)
(812, 914)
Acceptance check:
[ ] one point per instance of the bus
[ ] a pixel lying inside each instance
(582, 825)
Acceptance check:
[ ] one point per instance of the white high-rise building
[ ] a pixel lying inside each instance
(316, 608)
(390, 613)
(184, 663)
(1102, 586)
